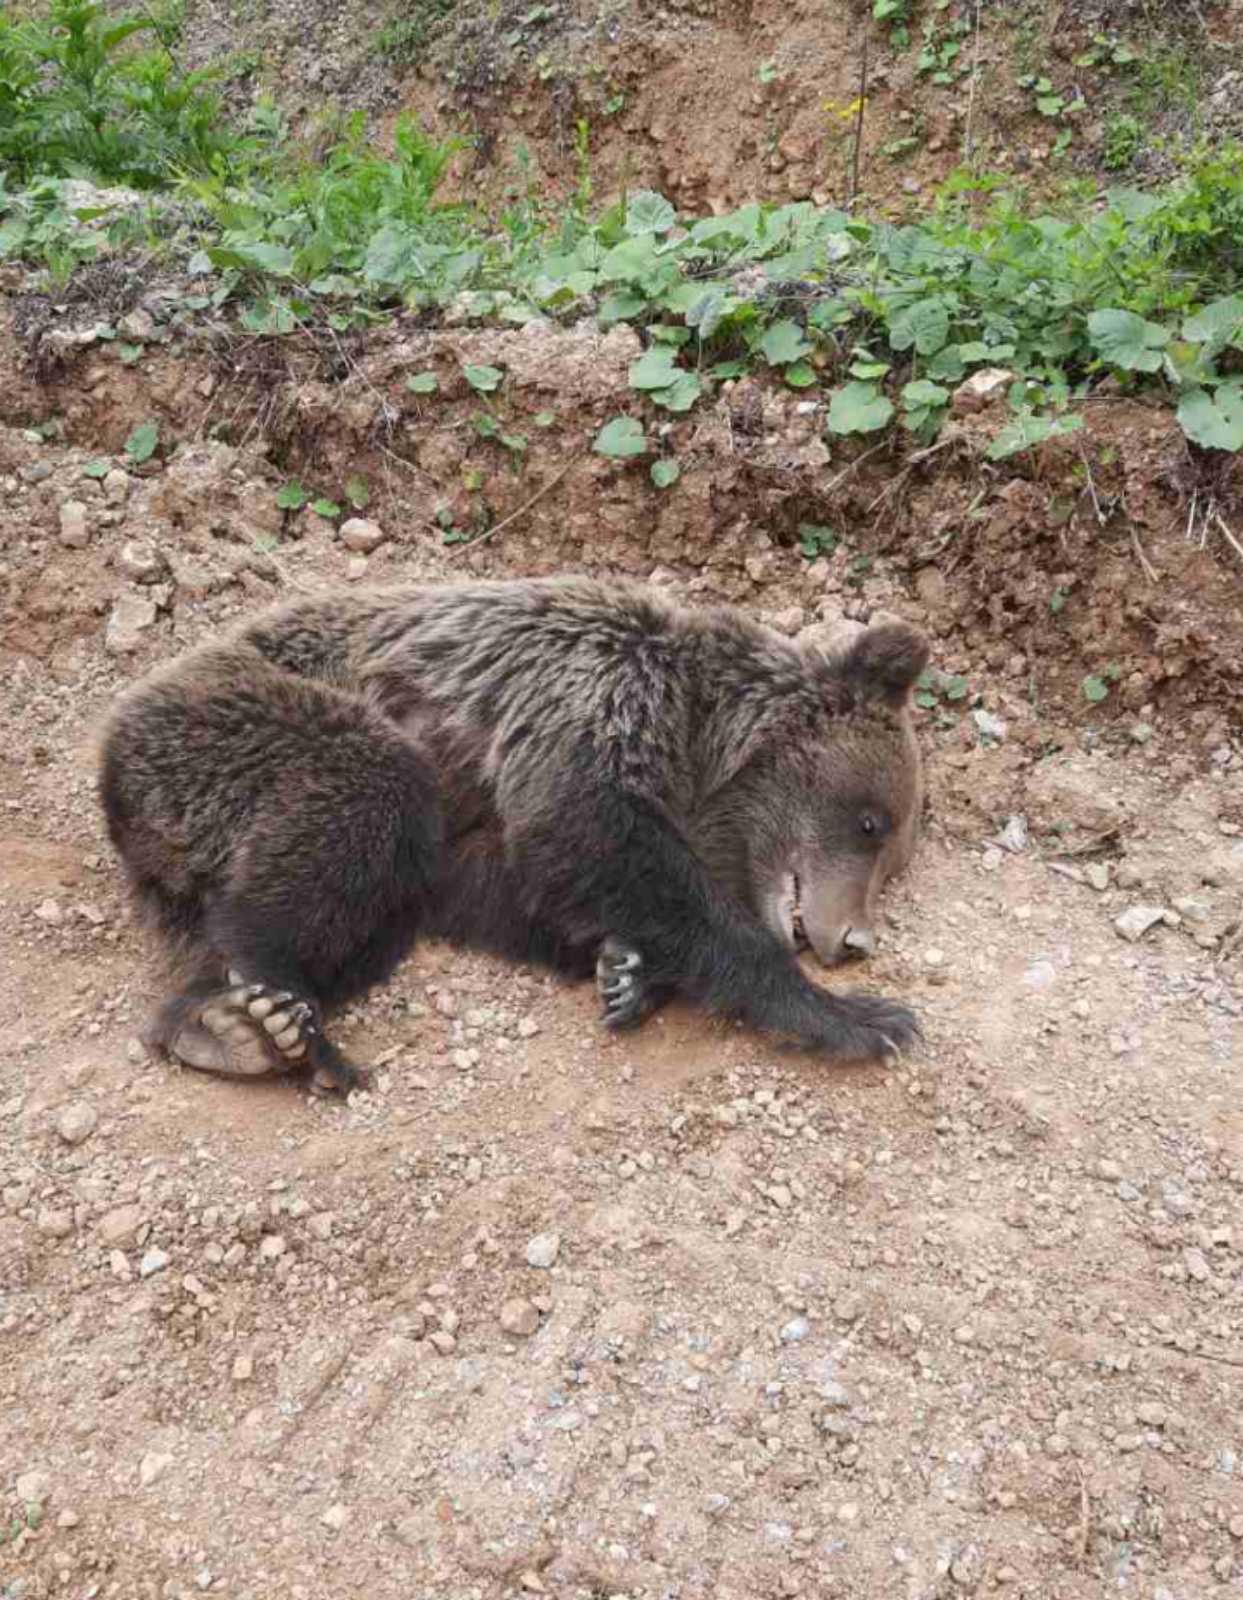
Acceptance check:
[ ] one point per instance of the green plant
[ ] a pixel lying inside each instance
(1123, 136)
(935, 686)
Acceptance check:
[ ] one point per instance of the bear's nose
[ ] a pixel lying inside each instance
(859, 943)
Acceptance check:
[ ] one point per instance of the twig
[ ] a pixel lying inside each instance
(852, 467)
(858, 143)
(473, 544)
(1144, 562)
(1208, 1355)
(975, 78)
(1229, 537)
(1191, 516)
(1096, 504)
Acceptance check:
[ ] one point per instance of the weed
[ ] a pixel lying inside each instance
(1123, 137)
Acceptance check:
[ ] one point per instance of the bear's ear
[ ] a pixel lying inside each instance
(884, 662)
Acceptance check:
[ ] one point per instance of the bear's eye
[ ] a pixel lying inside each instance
(869, 824)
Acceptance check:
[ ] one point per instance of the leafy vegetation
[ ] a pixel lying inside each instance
(883, 319)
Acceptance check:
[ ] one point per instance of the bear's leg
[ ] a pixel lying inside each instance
(618, 860)
(627, 994)
(326, 890)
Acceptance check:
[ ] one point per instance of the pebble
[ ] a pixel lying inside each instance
(1152, 1413)
(990, 727)
(119, 1225)
(566, 1421)
(49, 911)
(848, 1307)
(443, 1341)
(1097, 874)
(116, 486)
(527, 1028)
(243, 1368)
(271, 1246)
(130, 618)
(795, 1331)
(74, 531)
(362, 535)
(33, 1488)
(543, 1249)
(335, 1517)
(1135, 921)
(140, 561)
(55, 1224)
(1197, 1267)
(152, 1262)
(77, 1121)
(152, 1466)
(519, 1317)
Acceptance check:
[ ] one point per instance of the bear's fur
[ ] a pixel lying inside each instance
(570, 771)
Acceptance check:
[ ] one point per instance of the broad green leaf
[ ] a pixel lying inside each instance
(1219, 324)
(328, 509)
(1127, 341)
(665, 472)
(1095, 689)
(681, 395)
(483, 379)
(291, 496)
(620, 438)
(859, 408)
(649, 212)
(423, 383)
(654, 369)
(1027, 430)
(1214, 421)
(925, 325)
(140, 446)
(800, 375)
(923, 393)
(357, 493)
(784, 342)
(99, 468)
(620, 306)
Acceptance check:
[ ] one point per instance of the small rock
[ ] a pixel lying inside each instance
(566, 1421)
(119, 1225)
(55, 1224)
(152, 1466)
(140, 561)
(116, 486)
(990, 727)
(519, 1317)
(717, 1504)
(1152, 1414)
(243, 1368)
(335, 1517)
(1197, 1267)
(1135, 921)
(543, 1249)
(1013, 837)
(795, 1331)
(848, 1307)
(443, 1341)
(131, 616)
(527, 1028)
(50, 912)
(152, 1262)
(362, 535)
(981, 389)
(33, 1488)
(77, 1121)
(1097, 874)
(1141, 733)
(137, 326)
(271, 1246)
(75, 532)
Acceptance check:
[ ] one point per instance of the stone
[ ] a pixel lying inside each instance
(1135, 921)
(118, 1226)
(361, 535)
(116, 486)
(543, 1249)
(152, 1262)
(140, 561)
(54, 1223)
(130, 618)
(519, 1317)
(982, 389)
(335, 1517)
(77, 1121)
(75, 533)
(243, 1368)
(137, 326)
(34, 1488)
(49, 911)
(795, 1331)
(153, 1466)
(271, 1246)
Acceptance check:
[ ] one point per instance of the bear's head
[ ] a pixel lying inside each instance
(823, 806)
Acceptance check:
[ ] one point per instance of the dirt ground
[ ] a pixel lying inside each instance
(973, 1323)
(677, 1316)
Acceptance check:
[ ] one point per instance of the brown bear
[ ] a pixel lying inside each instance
(570, 771)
